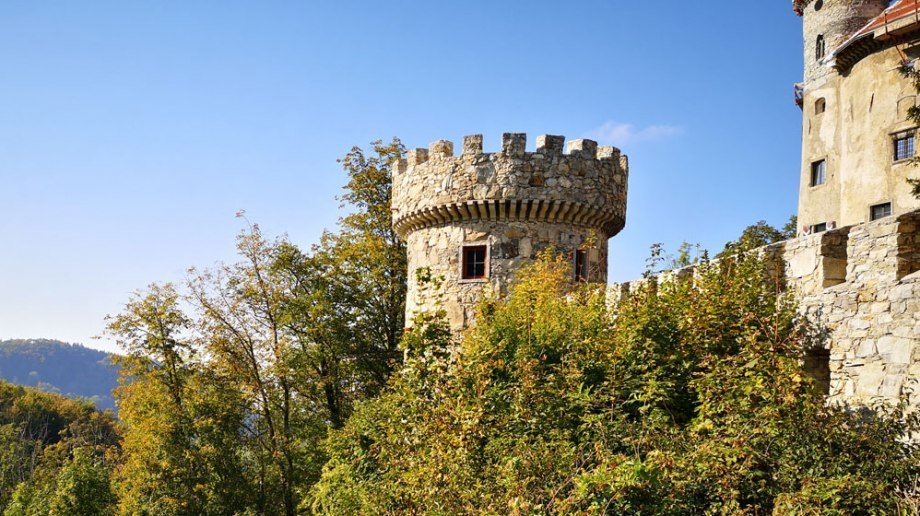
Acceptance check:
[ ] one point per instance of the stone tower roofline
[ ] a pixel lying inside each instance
(580, 184)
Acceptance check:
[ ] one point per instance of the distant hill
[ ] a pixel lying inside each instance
(54, 366)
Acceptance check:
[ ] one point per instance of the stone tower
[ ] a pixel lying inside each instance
(856, 138)
(472, 220)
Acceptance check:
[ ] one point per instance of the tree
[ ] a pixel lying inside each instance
(368, 261)
(282, 344)
(41, 436)
(247, 327)
(761, 234)
(180, 449)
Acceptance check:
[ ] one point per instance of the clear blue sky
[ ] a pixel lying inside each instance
(131, 132)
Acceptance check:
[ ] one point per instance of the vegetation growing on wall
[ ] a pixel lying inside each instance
(691, 400)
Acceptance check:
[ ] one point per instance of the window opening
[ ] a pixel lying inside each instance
(820, 106)
(880, 211)
(581, 265)
(903, 145)
(819, 228)
(819, 47)
(818, 366)
(474, 262)
(818, 172)
(834, 256)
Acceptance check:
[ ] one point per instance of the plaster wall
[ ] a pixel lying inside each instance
(864, 108)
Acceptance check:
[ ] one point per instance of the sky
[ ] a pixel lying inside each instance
(132, 132)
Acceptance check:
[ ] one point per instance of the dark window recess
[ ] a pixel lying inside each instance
(818, 366)
(818, 173)
(880, 211)
(474, 262)
(581, 265)
(819, 47)
(903, 145)
(819, 228)
(820, 106)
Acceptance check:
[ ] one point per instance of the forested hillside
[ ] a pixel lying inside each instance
(56, 454)
(54, 366)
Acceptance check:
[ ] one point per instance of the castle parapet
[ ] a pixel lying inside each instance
(859, 288)
(583, 186)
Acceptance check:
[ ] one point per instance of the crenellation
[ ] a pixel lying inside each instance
(550, 144)
(582, 148)
(441, 148)
(472, 144)
(608, 152)
(417, 156)
(866, 318)
(514, 144)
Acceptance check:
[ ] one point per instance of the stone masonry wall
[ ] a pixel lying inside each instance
(436, 250)
(514, 201)
(860, 288)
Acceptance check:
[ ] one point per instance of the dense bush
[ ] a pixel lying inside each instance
(691, 399)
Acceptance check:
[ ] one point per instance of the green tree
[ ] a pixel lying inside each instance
(366, 263)
(83, 487)
(282, 344)
(761, 234)
(180, 449)
(40, 436)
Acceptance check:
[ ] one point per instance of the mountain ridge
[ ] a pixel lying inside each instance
(69, 369)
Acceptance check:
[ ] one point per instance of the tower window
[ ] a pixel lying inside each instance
(818, 366)
(581, 265)
(818, 173)
(819, 228)
(880, 211)
(819, 47)
(903, 145)
(474, 262)
(820, 106)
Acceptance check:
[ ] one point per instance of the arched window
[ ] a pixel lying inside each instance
(819, 47)
(820, 106)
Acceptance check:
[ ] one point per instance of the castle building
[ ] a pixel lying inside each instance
(857, 139)
(470, 221)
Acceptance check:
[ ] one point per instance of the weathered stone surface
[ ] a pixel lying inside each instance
(870, 315)
(514, 202)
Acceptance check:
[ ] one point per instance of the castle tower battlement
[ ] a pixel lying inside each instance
(472, 220)
(583, 184)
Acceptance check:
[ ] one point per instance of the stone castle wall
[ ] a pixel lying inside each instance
(436, 250)
(860, 287)
(513, 201)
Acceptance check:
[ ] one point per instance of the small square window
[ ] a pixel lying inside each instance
(474, 262)
(880, 211)
(581, 265)
(818, 173)
(819, 228)
(903, 145)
